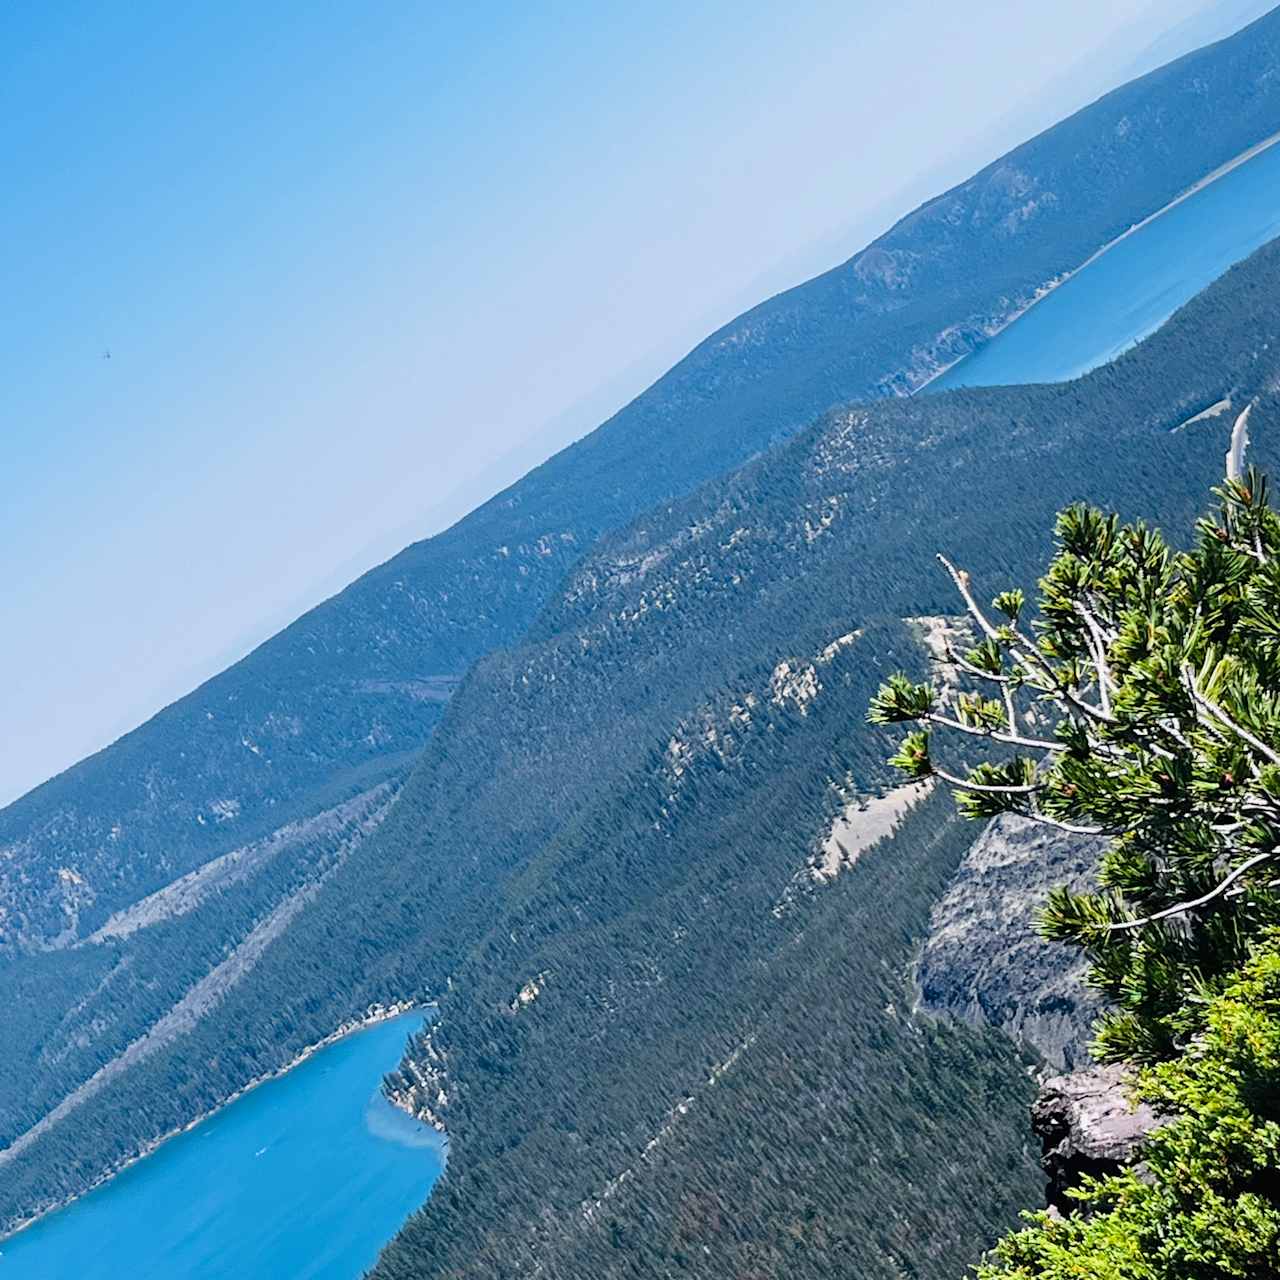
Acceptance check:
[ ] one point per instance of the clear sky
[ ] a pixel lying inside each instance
(358, 265)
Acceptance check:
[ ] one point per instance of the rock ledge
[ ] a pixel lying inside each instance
(1089, 1127)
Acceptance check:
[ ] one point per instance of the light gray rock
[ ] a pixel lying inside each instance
(985, 963)
(1089, 1126)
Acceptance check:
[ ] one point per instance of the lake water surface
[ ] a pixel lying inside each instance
(304, 1178)
(1136, 286)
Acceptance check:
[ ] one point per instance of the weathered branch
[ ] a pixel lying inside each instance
(1025, 650)
(1013, 739)
(1073, 828)
(1098, 650)
(1010, 709)
(965, 665)
(1239, 443)
(1107, 629)
(1206, 703)
(1181, 908)
(961, 580)
(989, 788)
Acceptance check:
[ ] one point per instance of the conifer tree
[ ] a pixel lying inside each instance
(1140, 702)
(1204, 1205)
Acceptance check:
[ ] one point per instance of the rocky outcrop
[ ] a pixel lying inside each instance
(984, 962)
(1090, 1127)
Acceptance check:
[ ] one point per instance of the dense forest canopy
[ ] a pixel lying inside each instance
(712, 663)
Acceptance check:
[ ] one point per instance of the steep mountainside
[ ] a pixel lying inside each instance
(230, 882)
(140, 890)
(646, 973)
(360, 681)
(746, 588)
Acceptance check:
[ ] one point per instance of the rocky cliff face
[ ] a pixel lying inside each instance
(985, 964)
(984, 961)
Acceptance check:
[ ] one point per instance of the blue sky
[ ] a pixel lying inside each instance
(359, 265)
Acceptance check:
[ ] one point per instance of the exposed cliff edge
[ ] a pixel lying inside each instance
(984, 961)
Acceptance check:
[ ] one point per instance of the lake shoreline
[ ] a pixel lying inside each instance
(375, 1016)
(1049, 287)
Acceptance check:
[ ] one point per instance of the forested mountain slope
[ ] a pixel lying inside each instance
(664, 631)
(603, 866)
(359, 681)
(141, 888)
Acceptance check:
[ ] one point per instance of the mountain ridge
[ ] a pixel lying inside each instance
(935, 286)
(342, 700)
(504, 858)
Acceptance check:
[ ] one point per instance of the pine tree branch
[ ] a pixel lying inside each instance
(961, 580)
(987, 788)
(1239, 444)
(1010, 709)
(1181, 908)
(1098, 651)
(1024, 651)
(1106, 627)
(1207, 704)
(1170, 726)
(1073, 828)
(1013, 739)
(966, 666)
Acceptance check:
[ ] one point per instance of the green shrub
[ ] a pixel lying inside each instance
(1205, 1203)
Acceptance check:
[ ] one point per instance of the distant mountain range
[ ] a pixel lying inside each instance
(360, 680)
(615, 667)
(1211, 22)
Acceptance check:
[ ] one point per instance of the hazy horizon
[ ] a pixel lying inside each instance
(291, 296)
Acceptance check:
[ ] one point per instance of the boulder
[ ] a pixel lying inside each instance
(1089, 1126)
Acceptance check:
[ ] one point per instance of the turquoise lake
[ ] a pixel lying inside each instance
(304, 1178)
(307, 1177)
(1133, 288)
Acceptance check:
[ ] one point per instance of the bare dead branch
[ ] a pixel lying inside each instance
(961, 580)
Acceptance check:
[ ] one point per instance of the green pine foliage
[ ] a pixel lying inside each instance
(1141, 703)
(1206, 1203)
